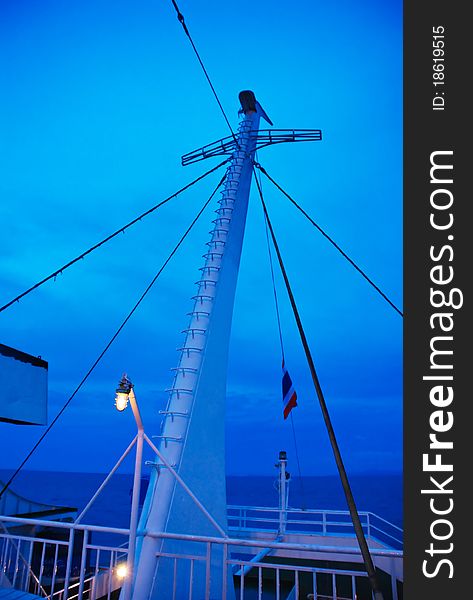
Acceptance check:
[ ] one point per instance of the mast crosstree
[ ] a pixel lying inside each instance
(263, 137)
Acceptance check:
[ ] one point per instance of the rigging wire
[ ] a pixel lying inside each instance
(108, 238)
(113, 338)
(278, 318)
(331, 240)
(180, 18)
(365, 552)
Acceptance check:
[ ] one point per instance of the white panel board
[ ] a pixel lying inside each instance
(24, 385)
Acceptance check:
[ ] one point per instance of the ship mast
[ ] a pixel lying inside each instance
(192, 435)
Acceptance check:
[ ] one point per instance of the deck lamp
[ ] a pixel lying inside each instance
(122, 393)
(122, 570)
(125, 394)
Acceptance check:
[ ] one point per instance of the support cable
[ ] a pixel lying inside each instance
(180, 18)
(108, 238)
(365, 552)
(325, 234)
(278, 318)
(113, 338)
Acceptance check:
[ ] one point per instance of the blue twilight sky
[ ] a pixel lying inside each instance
(99, 100)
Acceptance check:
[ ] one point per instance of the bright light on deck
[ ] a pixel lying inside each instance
(122, 571)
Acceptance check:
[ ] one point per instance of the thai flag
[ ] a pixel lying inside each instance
(289, 396)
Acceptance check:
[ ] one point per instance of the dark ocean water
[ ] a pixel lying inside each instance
(381, 494)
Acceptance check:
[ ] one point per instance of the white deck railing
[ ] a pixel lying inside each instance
(36, 557)
(313, 521)
(42, 564)
(291, 576)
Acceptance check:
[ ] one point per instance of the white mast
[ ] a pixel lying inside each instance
(193, 432)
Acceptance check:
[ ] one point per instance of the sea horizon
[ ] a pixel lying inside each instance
(380, 493)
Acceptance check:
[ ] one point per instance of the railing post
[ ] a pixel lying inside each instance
(82, 564)
(393, 580)
(110, 575)
(324, 523)
(174, 577)
(368, 523)
(225, 568)
(41, 570)
(30, 555)
(93, 587)
(70, 551)
(207, 570)
(54, 571)
(15, 574)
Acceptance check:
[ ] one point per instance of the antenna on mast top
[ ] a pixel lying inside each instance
(250, 104)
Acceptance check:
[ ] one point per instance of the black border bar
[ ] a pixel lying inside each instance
(437, 126)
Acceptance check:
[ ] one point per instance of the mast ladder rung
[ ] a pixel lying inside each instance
(168, 438)
(231, 185)
(198, 314)
(236, 168)
(227, 201)
(218, 231)
(194, 330)
(215, 243)
(151, 463)
(183, 370)
(212, 255)
(223, 209)
(174, 413)
(177, 391)
(222, 221)
(206, 282)
(189, 349)
(228, 193)
(202, 297)
(209, 269)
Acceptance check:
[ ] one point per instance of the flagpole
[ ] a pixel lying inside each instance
(365, 552)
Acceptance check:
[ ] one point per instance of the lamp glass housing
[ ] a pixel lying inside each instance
(121, 400)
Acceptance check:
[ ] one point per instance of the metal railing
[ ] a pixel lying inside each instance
(59, 560)
(264, 137)
(15, 567)
(258, 569)
(313, 521)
